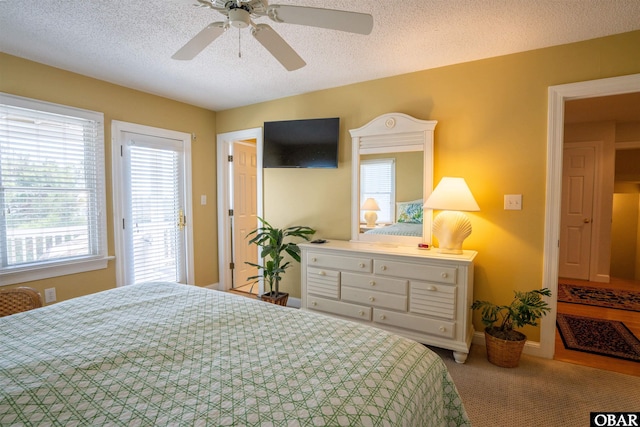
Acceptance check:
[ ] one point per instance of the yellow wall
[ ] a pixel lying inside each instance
(492, 130)
(492, 121)
(33, 80)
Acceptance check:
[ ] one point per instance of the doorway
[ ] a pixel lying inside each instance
(152, 204)
(558, 95)
(233, 186)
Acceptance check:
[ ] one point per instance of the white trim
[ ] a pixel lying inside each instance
(223, 141)
(557, 97)
(118, 128)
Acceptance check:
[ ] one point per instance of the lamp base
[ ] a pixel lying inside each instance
(451, 228)
(371, 218)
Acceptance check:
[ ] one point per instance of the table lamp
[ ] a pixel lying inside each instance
(370, 206)
(451, 226)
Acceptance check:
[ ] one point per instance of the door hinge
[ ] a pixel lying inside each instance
(230, 212)
(232, 265)
(230, 158)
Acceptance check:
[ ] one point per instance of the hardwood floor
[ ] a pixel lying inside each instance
(630, 318)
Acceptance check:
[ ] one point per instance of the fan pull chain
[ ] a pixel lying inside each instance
(239, 44)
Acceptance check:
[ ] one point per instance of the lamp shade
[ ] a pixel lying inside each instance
(370, 205)
(452, 194)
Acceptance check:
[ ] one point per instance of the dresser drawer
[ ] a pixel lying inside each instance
(323, 282)
(439, 328)
(432, 299)
(436, 273)
(339, 262)
(375, 283)
(340, 308)
(378, 299)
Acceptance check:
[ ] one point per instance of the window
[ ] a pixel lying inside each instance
(377, 180)
(52, 190)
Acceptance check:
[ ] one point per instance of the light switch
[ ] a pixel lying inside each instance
(513, 202)
(203, 199)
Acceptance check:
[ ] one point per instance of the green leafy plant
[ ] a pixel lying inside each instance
(525, 309)
(273, 246)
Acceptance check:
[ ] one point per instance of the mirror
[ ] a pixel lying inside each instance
(392, 163)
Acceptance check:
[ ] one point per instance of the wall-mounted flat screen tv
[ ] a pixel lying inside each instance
(310, 143)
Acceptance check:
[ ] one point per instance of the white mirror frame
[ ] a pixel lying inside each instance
(392, 133)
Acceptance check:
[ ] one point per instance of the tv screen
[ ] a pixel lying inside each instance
(311, 143)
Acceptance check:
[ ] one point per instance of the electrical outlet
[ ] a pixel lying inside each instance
(513, 202)
(50, 295)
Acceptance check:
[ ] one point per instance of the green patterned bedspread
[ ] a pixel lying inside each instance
(162, 354)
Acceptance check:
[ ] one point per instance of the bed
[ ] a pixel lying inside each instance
(409, 221)
(167, 354)
(398, 229)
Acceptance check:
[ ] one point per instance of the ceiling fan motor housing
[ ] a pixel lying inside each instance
(239, 18)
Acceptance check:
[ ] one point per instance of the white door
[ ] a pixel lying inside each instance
(245, 211)
(153, 229)
(226, 239)
(576, 212)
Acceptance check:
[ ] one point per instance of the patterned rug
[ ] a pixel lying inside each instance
(604, 337)
(600, 297)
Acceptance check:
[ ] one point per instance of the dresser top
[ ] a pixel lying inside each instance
(388, 249)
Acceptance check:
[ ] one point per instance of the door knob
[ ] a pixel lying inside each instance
(586, 220)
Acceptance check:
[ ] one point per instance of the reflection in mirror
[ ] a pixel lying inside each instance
(393, 172)
(394, 181)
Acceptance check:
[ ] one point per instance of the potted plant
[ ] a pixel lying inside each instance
(274, 246)
(504, 344)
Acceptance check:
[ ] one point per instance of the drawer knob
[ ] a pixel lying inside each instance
(361, 265)
(382, 317)
(314, 259)
(444, 275)
(313, 303)
(372, 283)
(372, 299)
(442, 329)
(383, 267)
(432, 288)
(322, 273)
(361, 313)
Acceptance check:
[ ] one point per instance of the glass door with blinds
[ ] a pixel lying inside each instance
(154, 219)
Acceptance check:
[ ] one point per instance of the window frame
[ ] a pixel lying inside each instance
(53, 268)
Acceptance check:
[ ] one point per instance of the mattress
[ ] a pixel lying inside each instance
(165, 354)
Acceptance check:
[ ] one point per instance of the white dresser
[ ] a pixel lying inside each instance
(420, 294)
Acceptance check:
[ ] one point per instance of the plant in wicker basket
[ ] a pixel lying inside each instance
(273, 249)
(504, 344)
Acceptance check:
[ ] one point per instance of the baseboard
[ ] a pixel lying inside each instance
(531, 348)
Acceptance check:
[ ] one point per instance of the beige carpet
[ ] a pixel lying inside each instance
(539, 392)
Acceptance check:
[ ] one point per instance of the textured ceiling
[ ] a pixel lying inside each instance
(130, 42)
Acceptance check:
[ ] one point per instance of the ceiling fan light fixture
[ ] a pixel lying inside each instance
(239, 18)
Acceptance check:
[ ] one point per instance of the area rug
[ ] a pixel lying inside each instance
(599, 297)
(604, 337)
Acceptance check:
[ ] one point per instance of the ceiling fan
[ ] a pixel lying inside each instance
(239, 14)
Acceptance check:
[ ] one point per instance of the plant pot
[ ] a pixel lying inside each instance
(278, 299)
(504, 353)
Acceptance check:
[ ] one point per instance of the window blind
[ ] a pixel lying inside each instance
(377, 180)
(51, 184)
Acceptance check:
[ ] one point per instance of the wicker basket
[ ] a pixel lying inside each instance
(280, 299)
(504, 353)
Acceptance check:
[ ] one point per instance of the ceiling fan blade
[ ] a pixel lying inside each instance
(201, 40)
(352, 22)
(279, 48)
